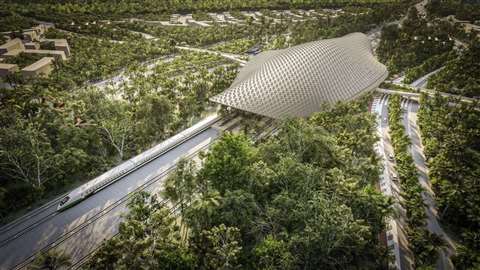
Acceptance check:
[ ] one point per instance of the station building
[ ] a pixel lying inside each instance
(298, 81)
(40, 68)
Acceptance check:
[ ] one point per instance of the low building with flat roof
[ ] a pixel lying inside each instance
(6, 69)
(32, 46)
(13, 44)
(42, 67)
(12, 53)
(30, 36)
(60, 44)
(42, 28)
(59, 55)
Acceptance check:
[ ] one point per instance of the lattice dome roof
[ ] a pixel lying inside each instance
(296, 81)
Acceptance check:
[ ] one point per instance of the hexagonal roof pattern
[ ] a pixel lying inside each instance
(296, 81)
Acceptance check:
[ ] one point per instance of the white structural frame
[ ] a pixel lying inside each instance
(297, 81)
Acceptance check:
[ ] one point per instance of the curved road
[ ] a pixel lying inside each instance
(416, 150)
(396, 234)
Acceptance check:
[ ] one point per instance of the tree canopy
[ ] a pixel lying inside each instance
(304, 199)
(451, 137)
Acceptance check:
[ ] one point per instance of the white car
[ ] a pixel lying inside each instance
(391, 158)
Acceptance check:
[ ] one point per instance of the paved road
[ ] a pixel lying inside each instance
(58, 226)
(396, 236)
(416, 149)
(230, 56)
(422, 81)
(123, 76)
(421, 8)
(431, 93)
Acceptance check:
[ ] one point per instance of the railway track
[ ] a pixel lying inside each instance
(9, 226)
(54, 203)
(122, 201)
(272, 129)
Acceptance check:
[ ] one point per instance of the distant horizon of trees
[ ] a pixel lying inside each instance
(124, 7)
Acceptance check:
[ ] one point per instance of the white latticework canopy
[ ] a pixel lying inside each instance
(295, 82)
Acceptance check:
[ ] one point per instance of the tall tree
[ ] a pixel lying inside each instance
(147, 239)
(219, 248)
(51, 260)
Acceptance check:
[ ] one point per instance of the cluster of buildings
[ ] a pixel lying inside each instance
(224, 18)
(31, 42)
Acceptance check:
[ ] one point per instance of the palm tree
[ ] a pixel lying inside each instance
(50, 260)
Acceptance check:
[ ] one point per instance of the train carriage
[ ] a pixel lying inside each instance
(114, 174)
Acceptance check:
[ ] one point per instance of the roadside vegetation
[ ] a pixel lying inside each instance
(460, 76)
(59, 131)
(12, 21)
(304, 199)
(451, 136)
(52, 138)
(65, 10)
(431, 64)
(462, 10)
(238, 46)
(421, 46)
(423, 244)
(201, 16)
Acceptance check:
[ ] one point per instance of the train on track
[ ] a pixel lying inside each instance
(111, 176)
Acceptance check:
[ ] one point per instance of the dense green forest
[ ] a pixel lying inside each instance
(460, 76)
(422, 243)
(421, 46)
(414, 43)
(63, 124)
(463, 10)
(75, 135)
(429, 65)
(11, 21)
(451, 136)
(152, 9)
(304, 199)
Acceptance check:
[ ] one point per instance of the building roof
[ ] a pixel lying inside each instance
(13, 52)
(39, 64)
(6, 66)
(10, 43)
(57, 41)
(50, 52)
(297, 81)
